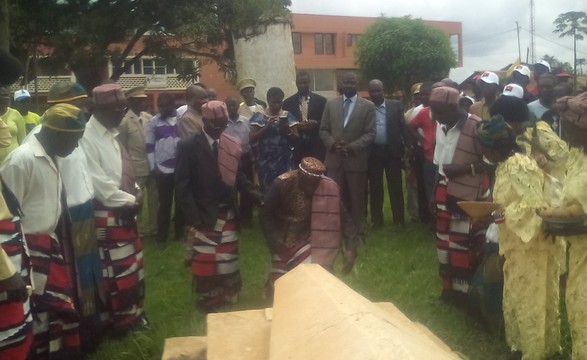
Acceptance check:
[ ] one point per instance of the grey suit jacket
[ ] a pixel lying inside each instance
(359, 133)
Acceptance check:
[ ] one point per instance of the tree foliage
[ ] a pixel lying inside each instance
(403, 51)
(572, 24)
(557, 66)
(86, 34)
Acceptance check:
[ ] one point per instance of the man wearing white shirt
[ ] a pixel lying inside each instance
(79, 192)
(32, 172)
(117, 203)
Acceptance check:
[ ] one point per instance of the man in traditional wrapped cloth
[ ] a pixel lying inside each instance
(117, 202)
(303, 220)
(32, 173)
(79, 191)
(462, 176)
(207, 176)
(16, 333)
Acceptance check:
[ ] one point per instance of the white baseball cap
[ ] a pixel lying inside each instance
(544, 63)
(21, 95)
(513, 90)
(523, 69)
(490, 77)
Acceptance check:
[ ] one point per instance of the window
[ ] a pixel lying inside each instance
(324, 44)
(159, 67)
(352, 39)
(296, 39)
(154, 67)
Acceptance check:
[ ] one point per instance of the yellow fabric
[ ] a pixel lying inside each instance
(575, 189)
(15, 124)
(532, 262)
(31, 120)
(481, 110)
(7, 269)
(5, 137)
(550, 143)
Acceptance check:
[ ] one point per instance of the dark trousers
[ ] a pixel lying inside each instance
(166, 189)
(352, 189)
(381, 162)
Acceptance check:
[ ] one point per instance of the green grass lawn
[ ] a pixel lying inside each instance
(396, 264)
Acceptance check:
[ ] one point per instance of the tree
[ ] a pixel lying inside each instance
(85, 35)
(403, 51)
(557, 66)
(572, 23)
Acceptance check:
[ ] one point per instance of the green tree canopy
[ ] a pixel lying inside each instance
(573, 24)
(404, 51)
(80, 33)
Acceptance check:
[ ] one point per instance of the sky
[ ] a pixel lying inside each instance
(489, 31)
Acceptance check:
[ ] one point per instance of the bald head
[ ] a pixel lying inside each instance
(196, 96)
(349, 84)
(375, 89)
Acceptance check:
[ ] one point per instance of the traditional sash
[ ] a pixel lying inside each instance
(230, 151)
(468, 151)
(326, 233)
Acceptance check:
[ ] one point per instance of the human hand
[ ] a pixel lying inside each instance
(15, 287)
(139, 197)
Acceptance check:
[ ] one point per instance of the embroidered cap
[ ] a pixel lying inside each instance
(214, 110)
(312, 166)
(64, 92)
(64, 117)
(108, 94)
(444, 95)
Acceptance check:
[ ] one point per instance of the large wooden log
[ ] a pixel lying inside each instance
(316, 316)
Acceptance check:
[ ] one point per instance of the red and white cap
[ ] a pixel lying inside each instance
(490, 77)
(514, 90)
(523, 69)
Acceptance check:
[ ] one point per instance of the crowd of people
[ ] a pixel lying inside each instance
(87, 182)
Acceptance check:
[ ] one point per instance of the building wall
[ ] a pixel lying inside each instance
(325, 69)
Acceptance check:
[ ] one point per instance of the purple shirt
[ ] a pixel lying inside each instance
(162, 139)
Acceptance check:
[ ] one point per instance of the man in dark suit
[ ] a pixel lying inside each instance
(348, 130)
(386, 155)
(307, 107)
(207, 176)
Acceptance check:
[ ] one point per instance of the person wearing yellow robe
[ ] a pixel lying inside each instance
(532, 260)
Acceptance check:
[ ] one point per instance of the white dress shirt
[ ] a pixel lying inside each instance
(74, 173)
(34, 179)
(446, 144)
(105, 164)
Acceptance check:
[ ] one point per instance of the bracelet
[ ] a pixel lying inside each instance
(473, 169)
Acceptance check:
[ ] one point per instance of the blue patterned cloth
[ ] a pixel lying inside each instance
(274, 152)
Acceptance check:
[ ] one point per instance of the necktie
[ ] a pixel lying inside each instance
(215, 149)
(304, 108)
(345, 110)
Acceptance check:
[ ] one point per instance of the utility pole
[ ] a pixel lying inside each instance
(519, 49)
(532, 29)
